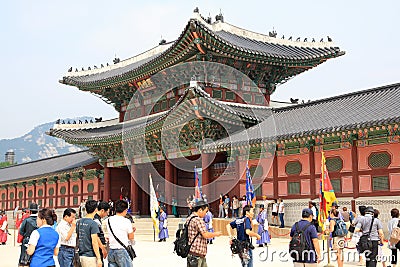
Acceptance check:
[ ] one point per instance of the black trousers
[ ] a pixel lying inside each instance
(394, 256)
(371, 256)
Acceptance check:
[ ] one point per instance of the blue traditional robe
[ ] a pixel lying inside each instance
(208, 221)
(163, 231)
(262, 219)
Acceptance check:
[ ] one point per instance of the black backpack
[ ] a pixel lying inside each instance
(298, 247)
(181, 244)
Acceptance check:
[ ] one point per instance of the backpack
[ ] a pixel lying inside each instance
(340, 228)
(298, 245)
(351, 215)
(395, 235)
(181, 244)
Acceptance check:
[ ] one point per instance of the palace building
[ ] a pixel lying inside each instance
(174, 117)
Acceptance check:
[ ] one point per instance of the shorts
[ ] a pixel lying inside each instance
(338, 242)
(274, 214)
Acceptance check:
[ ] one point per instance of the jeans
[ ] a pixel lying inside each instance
(281, 219)
(65, 257)
(370, 257)
(119, 258)
(249, 262)
(235, 213)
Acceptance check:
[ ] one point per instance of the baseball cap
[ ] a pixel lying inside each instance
(306, 213)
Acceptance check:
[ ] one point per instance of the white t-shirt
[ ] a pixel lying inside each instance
(34, 238)
(314, 212)
(275, 207)
(121, 227)
(281, 208)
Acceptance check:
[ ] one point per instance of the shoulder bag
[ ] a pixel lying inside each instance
(129, 248)
(365, 243)
(76, 260)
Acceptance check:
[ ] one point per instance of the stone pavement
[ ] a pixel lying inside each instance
(153, 254)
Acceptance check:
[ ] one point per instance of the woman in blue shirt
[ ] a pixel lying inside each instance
(45, 241)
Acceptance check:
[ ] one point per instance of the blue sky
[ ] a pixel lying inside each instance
(40, 40)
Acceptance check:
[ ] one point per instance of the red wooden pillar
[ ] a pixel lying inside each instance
(107, 183)
(24, 202)
(34, 191)
(275, 175)
(81, 186)
(7, 197)
(169, 179)
(311, 162)
(44, 198)
(98, 189)
(15, 196)
(206, 165)
(134, 188)
(69, 190)
(354, 167)
(56, 193)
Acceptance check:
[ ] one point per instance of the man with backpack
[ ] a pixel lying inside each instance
(244, 231)
(304, 246)
(26, 229)
(198, 235)
(338, 229)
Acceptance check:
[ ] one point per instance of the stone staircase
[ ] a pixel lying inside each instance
(144, 226)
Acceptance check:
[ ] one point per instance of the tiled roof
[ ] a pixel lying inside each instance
(373, 107)
(46, 166)
(249, 113)
(236, 38)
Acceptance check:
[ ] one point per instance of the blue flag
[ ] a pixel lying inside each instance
(250, 196)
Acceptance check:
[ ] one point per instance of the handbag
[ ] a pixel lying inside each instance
(365, 243)
(395, 235)
(352, 228)
(25, 259)
(76, 260)
(129, 248)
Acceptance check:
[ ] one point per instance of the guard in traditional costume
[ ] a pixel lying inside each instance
(209, 226)
(263, 227)
(163, 225)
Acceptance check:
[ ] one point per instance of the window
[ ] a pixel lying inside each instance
(75, 189)
(259, 99)
(3, 196)
(90, 188)
(63, 190)
(258, 190)
(229, 95)
(20, 195)
(334, 164)
(380, 183)
(75, 201)
(336, 185)
(12, 195)
(379, 160)
(172, 102)
(40, 202)
(256, 171)
(30, 193)
(294, 188)
(90, 197)
(50, 202)
(164, 105)
(247, 98)
(40, 192)
(217, 94)
(63, 201)
(51, 191)
(293, 168)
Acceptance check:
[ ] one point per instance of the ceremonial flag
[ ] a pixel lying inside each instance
(197, 187)
(327, 194)
(250, 196)
(153, 204)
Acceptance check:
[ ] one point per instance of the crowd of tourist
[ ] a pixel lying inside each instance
(104, 230)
